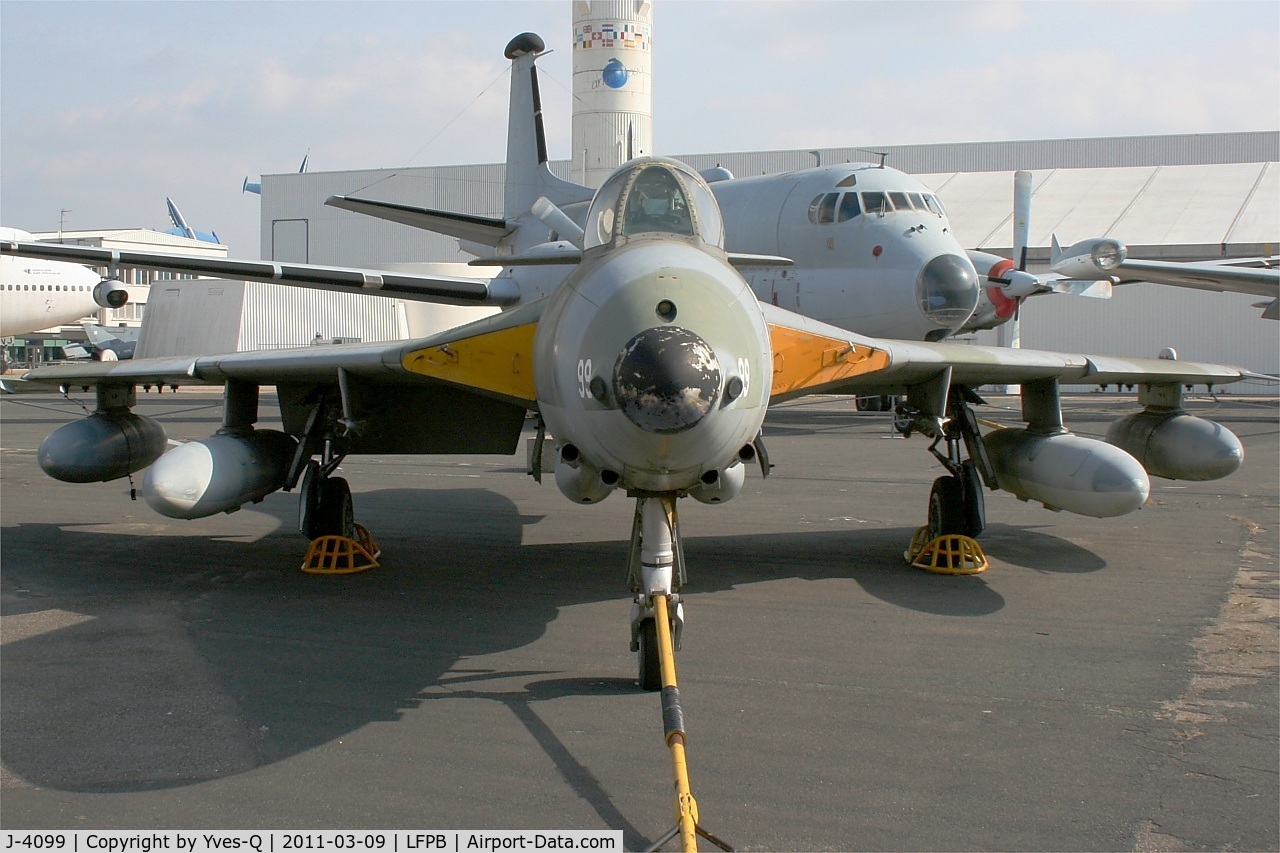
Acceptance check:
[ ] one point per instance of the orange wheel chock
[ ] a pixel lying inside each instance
(338, 555)
(946, 555)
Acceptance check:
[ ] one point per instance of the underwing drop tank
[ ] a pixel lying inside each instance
(1178, 446)
(218, 474)
(1065, 471)
(105, 446)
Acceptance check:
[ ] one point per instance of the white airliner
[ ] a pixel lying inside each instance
(38, 294)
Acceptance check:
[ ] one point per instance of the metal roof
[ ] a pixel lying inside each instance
(1232, 205)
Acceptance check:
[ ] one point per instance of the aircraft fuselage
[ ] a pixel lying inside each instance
(37, 294)
(872, 246)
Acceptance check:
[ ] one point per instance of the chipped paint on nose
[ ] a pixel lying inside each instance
(666, 379)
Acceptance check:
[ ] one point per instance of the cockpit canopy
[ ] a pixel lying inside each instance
(650, 195)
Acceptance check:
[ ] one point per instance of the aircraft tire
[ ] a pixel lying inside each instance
(309, 501)
(947, 508)
(650, 674)
(335, 511)
(866, 404)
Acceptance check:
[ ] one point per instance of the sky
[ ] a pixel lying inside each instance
(107, 107)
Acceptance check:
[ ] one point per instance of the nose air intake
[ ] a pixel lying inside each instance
(948, 290)
(666, 379)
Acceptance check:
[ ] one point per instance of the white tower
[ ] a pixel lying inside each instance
(612, 94)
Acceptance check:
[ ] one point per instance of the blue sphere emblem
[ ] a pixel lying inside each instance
(614, 74)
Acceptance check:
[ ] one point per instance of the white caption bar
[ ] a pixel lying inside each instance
(283, 841)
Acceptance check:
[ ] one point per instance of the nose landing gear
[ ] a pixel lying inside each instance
(655, 570)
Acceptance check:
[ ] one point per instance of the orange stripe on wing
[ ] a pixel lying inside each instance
(806, 362)
(499, 362)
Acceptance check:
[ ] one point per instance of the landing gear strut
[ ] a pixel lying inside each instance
(326, 513)
(957, 512)
(956, 502)
(655, 569)
(655, 566)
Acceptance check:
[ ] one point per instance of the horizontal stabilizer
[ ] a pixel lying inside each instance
(544, 254)
(740, 259)
(484, 230)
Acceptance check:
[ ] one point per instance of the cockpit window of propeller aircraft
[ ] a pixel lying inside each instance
(837, 207)
(654, 196)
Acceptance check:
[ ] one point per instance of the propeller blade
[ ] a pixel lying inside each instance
(1021, 216)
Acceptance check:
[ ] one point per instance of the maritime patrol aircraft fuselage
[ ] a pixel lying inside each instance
(862, 231)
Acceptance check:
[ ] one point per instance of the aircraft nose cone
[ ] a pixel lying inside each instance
(666, 379)
(948, 290)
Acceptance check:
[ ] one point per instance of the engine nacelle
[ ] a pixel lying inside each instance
(111, 293)
(720, 486)
(580, 482)
(1065, 471)
(1173, 444)
(218, 474)
(104, 446)
(1089, 258)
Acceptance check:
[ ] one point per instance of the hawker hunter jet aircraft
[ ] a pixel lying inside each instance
(652, 365)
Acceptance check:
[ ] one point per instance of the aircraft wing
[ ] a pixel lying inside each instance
(1259, 281)
(812, 357)
(1107, 256)
(490, 357)
(493, 357)
(411, 286)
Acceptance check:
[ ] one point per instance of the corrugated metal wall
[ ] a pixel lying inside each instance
(275, 316)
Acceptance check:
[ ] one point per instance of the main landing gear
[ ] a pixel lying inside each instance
(326, 512)
(957, 509)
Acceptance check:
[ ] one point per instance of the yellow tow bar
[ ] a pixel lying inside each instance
(686, 807)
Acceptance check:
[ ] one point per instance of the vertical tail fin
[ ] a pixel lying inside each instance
(528, 173)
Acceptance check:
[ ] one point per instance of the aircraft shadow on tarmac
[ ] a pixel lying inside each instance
(299, 661)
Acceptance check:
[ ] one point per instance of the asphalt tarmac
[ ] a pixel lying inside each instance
(1106, 685)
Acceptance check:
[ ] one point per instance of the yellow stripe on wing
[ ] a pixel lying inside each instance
(804, 362)
(499, 362)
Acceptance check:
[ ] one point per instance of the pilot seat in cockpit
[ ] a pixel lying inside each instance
(657, 203)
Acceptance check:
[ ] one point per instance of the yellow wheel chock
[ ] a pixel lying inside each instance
(946, 555)
(686, 807)
(338, 555)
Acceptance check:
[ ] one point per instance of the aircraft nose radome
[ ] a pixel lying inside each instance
(948, 290)
(666, 379)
